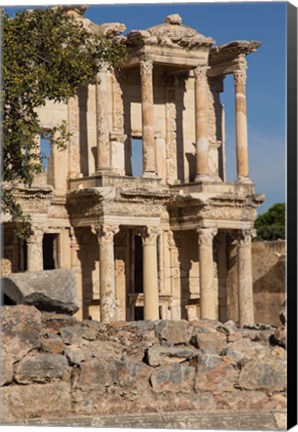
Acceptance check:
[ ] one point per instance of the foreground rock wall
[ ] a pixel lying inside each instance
(55, 366)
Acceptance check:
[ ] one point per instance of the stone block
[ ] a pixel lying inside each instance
(73, 334)
(174, 378)
(160, 355)
(20, 330)
(263, 374)
(132, 375)
(209, 342)
(41, 368)
(243, 349)
(48, 290)
(22, 402)
(96, 375)
(217, 379)
(173, 332)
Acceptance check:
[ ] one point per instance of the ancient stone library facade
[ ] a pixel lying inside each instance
(159, 242)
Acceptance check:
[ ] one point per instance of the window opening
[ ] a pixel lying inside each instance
(137, 157)
(139, 313)
(45, 149)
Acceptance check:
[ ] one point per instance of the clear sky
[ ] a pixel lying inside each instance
(266, 83)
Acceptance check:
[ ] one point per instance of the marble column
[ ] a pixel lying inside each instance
(241, 126)
(201, 123)
(146, 72)
(76, 267)
(245, 283)
(103, 162)
(34, 250)
(105, 237)
(208, 290)
(74, 168)
(150, 273)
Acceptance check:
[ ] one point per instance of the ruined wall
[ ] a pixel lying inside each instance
(54, 366)
(268, 264)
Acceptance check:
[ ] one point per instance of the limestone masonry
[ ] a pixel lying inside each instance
(58, 370)
(172, 241)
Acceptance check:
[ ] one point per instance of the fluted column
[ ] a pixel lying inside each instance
(245, 283)
(103, 162)
(34, 250)
(241, 125)
(146, 72)
(201, 123)
(208, 290)
(105, 237)
(150, 273)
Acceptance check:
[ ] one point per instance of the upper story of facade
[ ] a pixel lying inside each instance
(159, 122)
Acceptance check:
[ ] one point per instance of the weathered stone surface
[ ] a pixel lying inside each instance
(218, 379)
(174, 378)
(133, 375)
(36, 400)
(49, 290)
(213, 374)
(41, 368)
(173, 332)
(72, 334)
(209, 342)
(52, 344)
(263, 374)
(243, 349)
(75, 354)
(173, 19)
(96, 375)
(241, 400)
(20, 328)
(160, 355)
(6, 368)
(280, 336)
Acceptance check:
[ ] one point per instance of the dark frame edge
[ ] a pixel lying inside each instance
(291, 273)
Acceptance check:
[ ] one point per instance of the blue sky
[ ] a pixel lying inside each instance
(266, 83)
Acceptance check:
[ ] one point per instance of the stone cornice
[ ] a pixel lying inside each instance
(232, 50)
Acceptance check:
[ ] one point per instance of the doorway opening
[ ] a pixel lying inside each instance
(50, 251)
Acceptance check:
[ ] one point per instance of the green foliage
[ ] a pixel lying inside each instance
(47, 55)
(271, 225)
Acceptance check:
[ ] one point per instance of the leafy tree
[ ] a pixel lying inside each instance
(271, 225)
(47, 55)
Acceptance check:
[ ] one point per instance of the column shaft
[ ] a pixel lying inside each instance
(34, 251)
(146, 72)
(201, 122)
(74, 140)
(105, 235)
(208, 291)
(241, 125)
(150, 274)
(103, 162)
(245, 284)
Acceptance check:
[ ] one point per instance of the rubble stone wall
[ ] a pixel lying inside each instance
(56, 366)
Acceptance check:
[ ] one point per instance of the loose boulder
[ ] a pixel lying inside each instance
(49, 290)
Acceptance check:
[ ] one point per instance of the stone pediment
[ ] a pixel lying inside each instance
(170, 33)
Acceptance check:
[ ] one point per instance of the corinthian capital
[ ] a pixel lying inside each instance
(105, 233)
(146, 67)
(200, 72)
(240, 76)
(36, 235)
(206, 236)
(244, 237)
(149, 234)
